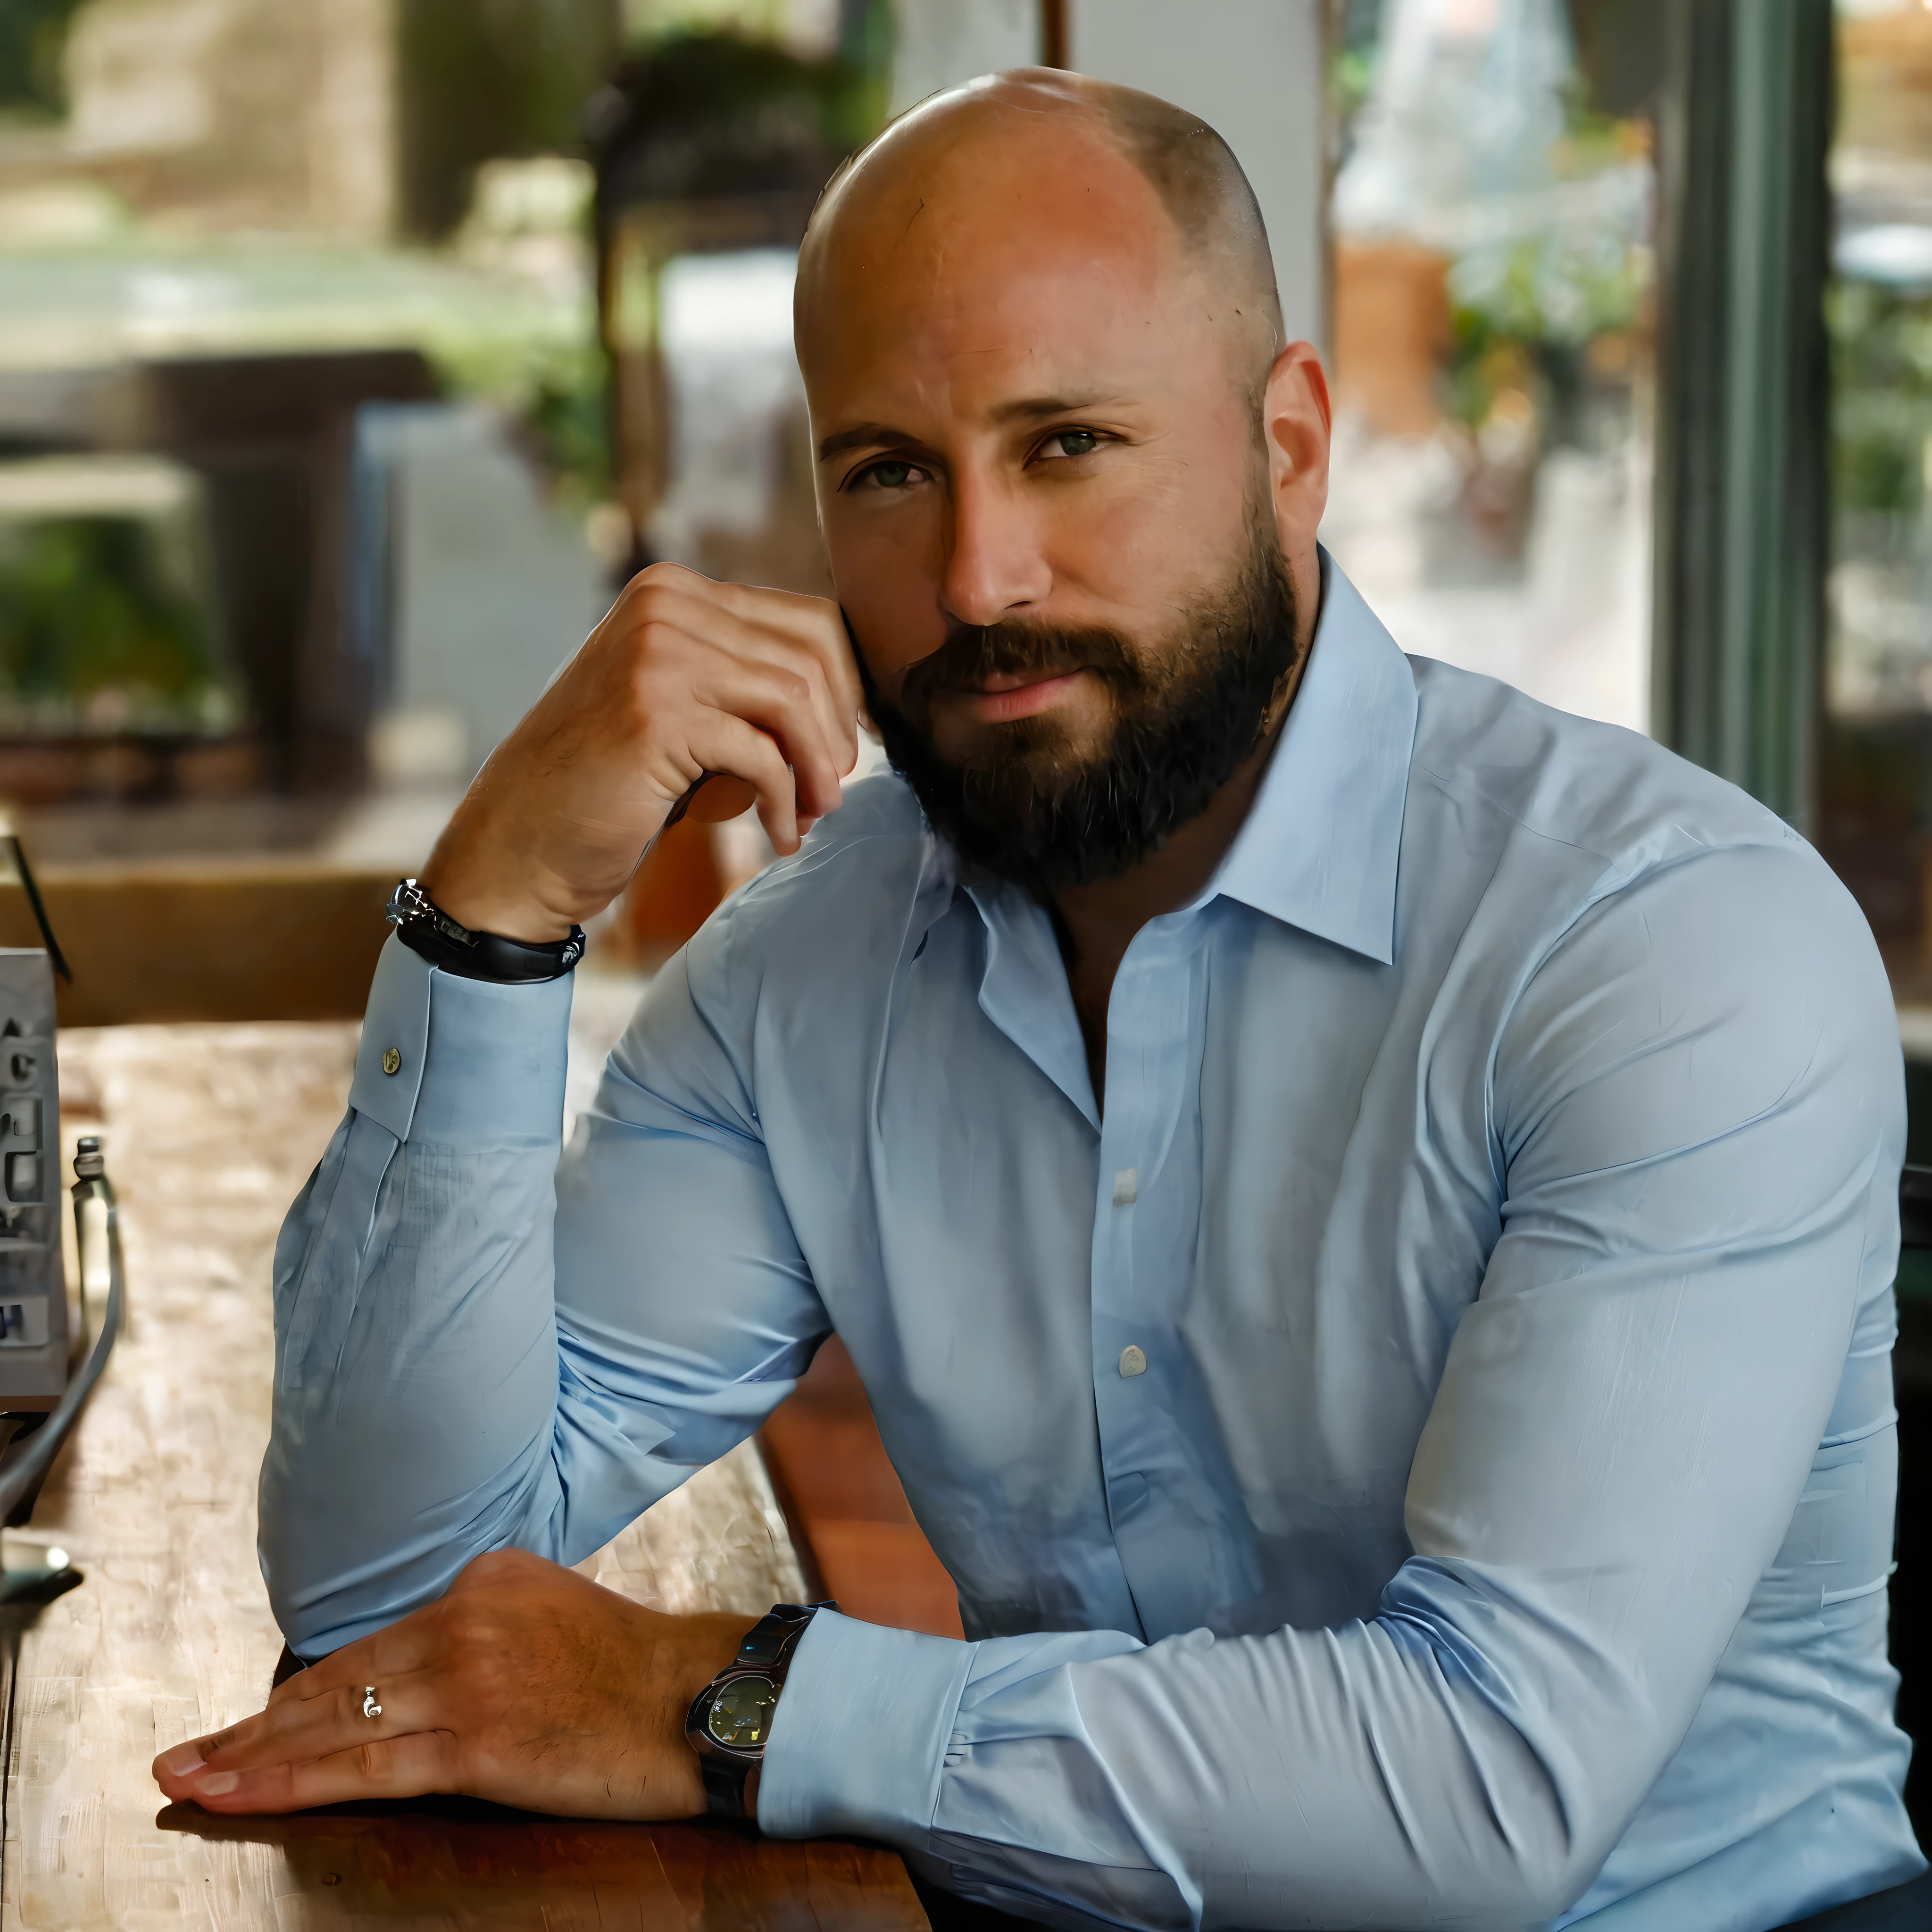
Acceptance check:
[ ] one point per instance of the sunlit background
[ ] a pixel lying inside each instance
(353, 352)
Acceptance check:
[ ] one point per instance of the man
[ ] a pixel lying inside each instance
(1365, 1208)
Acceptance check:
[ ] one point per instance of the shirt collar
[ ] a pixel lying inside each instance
(1319, 848)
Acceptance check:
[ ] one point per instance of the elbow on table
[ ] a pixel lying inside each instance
(310, 1615)
(1542, 1856)
(1533, 1890)
(1509, 1860)
(318, 1604)
(1517, 1847)
(1500, 1887)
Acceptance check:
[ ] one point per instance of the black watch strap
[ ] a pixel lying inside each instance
(724, 1781)
(766, 1651)
(426, 930)
(771, 1637)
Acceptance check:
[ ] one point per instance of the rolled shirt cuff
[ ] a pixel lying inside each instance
(463, 1063)
(859, 1738)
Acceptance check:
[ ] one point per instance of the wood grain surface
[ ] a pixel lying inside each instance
(210, 1130)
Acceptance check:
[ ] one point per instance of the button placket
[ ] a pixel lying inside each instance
(1143, 1262)
(1147, 1029)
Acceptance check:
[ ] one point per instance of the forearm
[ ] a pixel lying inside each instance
(416, 1363)
(476, 1348)
(1363, 1776)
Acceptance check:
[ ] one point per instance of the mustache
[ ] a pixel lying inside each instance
(976, 652)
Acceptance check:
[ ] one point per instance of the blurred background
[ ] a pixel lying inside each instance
(353, 352)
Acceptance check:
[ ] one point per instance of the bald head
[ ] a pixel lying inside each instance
(1011, 146)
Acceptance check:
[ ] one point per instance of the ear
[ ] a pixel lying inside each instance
(1295, 423)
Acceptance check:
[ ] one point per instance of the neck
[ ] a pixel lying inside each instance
(1096, 923)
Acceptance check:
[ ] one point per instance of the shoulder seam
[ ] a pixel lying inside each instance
(1496, 804)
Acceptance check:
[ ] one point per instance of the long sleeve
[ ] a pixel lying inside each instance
(1696, 1124)
(476, 1350)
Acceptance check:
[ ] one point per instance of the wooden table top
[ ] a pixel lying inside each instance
(210, 1131)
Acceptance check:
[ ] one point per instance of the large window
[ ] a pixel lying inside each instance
(1492, 310)
(1877, 753)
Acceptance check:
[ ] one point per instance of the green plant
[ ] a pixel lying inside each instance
(33, 39)
(94, 634)
(1881, 396)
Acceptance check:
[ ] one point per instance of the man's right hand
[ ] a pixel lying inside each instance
(684, 677)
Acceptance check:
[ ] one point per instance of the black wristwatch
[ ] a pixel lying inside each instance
(425, 929)
(730, 1720)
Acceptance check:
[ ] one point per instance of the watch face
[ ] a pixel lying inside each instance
(741, 1713)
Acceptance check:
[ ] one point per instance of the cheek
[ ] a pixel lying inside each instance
(1136, 550)
(886, 574)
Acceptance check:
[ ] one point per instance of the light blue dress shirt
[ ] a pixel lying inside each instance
(1498, 1184)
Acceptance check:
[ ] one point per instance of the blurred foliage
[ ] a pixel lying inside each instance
(700, 115)
(863, 29)
(1560, 289)
(95, 635)
(1881, 396)
(1355, 30)
(566, 419)
(1544, 317)
(481, 79)
(1548, 315)
(556, 396)
(33, 38)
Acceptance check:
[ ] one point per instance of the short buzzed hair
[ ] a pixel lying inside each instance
(1206, 194)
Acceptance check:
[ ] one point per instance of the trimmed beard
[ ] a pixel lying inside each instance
(1187, 711)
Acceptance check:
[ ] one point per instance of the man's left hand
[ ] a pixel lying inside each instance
(525, 1683)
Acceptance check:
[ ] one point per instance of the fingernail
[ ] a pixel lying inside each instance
(183, 1761)
(221, 1784)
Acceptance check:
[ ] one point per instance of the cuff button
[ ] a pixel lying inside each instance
(392, 1060)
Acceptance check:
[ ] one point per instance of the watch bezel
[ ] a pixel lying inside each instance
(765, 1654)
(708, 1703)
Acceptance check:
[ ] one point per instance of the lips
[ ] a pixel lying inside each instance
(1006, 695)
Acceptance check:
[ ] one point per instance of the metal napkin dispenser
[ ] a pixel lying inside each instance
(34, 1336)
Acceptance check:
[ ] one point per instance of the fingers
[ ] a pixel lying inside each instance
(407, 1766)
(778, 702)
(300, 1731)
(815, 622)
(727, 743)
(297, 1718)
(407, 1645)
(722, 643)
(804, 635)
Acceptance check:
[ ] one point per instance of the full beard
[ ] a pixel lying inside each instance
(1187, 712)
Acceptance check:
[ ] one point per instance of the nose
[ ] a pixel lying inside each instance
(994, 563)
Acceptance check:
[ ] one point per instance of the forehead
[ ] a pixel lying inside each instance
(1016, 251)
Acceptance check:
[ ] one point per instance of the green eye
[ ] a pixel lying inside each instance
(890, 476)
(1077, 442)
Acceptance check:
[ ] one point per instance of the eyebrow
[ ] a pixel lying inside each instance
(862, 435)
(875, 436)
(1032, 407)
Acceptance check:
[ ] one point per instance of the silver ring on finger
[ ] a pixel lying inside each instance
(370, 1708)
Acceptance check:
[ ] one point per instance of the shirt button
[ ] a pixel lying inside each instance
(391, 1060)
(1132, 1362)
